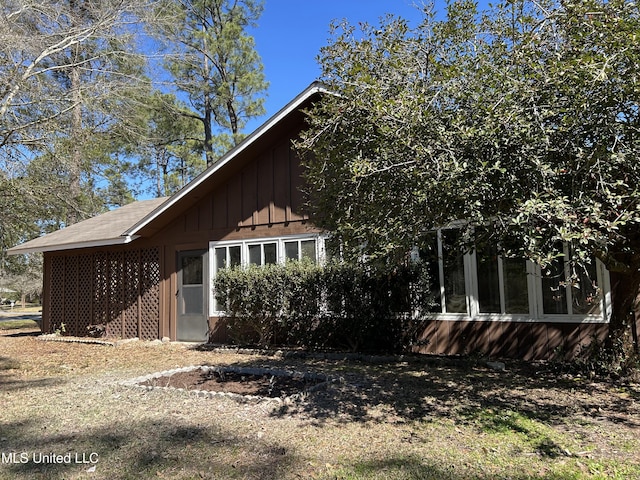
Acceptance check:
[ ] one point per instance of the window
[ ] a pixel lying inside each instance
(485, 284)
(300, 249)
(429, 255)
(502, 282)
(571, 292)
(227, 256)
(453, 277)
(264, 252)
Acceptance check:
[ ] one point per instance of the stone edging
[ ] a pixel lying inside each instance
(52, 337)
(325, 380)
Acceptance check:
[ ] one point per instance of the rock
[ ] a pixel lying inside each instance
(496, 366)
(166, 339)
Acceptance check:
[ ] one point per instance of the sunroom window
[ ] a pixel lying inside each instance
(484, 283)
(502, 282)
(227, 256)
(301, 249)
(571, 291)
(455, 297)
(263, 253)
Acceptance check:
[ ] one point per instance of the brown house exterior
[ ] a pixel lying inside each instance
(145, 270)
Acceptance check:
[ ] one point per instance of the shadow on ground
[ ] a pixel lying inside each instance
(21, 333)
(9, 382)
(460, 389)
(178, 449)
(140, 449)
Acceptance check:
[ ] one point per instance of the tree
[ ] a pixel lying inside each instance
(26, 279)
(524, 118)
(71, 77)
(172, 154)
(214, 62)
(40, 41)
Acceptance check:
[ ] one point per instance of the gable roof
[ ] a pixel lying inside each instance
(125, 224)
(190, 189)
(106, 229)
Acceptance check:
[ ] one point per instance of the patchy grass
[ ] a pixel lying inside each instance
(17, 309)
(18, 324)
(427, 419)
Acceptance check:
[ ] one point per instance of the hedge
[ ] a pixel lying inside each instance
(336, 306)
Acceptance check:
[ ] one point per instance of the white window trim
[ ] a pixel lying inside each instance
(534, 291)
(244, 255)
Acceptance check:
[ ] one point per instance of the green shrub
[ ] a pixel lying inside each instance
(343, 306)
(254, 299)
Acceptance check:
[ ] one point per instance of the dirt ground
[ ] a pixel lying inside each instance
(264, 385)
(424, 417)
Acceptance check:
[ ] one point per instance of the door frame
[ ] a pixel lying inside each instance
(194, 319)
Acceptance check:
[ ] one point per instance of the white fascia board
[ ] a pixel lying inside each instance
(74, 246)
(313, 89)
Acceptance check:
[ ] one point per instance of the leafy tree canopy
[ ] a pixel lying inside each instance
(523, 117)
(213, 61)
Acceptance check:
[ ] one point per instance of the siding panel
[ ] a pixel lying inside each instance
(220, 208)
(234, 201)
(250, 194)
(282, 180)
(265, 190)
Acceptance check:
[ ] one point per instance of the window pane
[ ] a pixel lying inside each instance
(488, 280)
(429, 256)
(192, 270)
(291, 250)
(585, 291)
(309, 249)
(554, 293)
(234, 256)
(270, 256)
(221, 258)
(516, 292)
(453, 262)
(255, 254)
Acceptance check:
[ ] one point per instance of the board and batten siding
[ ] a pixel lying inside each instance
(260, 197)
(264, 198)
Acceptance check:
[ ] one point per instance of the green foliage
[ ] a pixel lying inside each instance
(598, 360)
(172, 156)
(523, 118)
(73, 77)
(255, 297)
(214, 62)
(344, 306)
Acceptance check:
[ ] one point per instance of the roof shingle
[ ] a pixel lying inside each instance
(107, 229)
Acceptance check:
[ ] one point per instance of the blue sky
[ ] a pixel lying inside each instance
(290, 34)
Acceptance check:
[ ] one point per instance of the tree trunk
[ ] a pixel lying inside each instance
(208, 133)
(75, 162)
(75, 165)
(208, 109)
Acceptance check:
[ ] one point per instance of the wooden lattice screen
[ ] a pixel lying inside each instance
(118, 289)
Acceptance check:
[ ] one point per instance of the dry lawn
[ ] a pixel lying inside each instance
(431, 418)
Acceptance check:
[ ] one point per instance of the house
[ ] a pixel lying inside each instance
(145, 270)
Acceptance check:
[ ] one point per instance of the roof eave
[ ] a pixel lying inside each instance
(25, 249)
